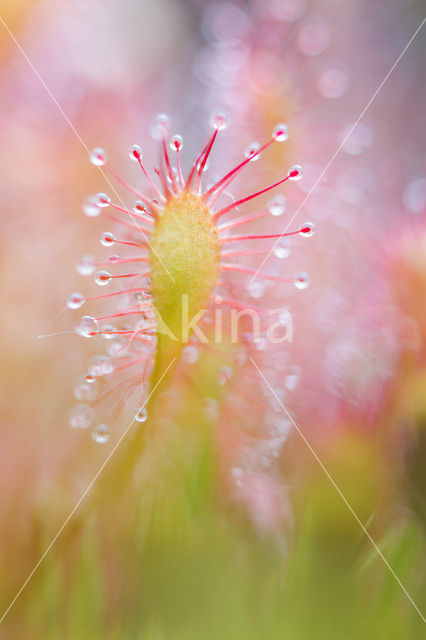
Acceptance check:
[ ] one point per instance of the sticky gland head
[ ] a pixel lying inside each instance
(185, 248)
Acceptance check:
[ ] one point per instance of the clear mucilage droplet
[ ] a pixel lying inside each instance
(225, 374)
(86, 391)
(292, 378)
(190, 354)
(280, 133)
(255, 288)
(101, 433)
(102, 200)
(91, 207)
(301, 281)
(219, 120)
(276, 206)
(103, 278)
(75, 301)
(333, 83)
(100, 366)
(176, 142)
(314, 36)
(141, 414)
(139, 207)
(307, 229)
(211, 409)
(85, 266)
(107, 239)
(108, 331)
(241, 358)
(252, 151)
(281, 427)
(81, 416)
(295, 172)
(284, 316)
(117, 347)
(98, 157)
(88, 327)
(135, 152)
(282, 249)
(160, 127)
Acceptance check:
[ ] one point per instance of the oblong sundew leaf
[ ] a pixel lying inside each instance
(173, 254)
(184, 259)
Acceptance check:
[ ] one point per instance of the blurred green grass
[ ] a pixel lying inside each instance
(218, 582)
(171, 561)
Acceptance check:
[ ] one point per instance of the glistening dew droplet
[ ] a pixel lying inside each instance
(75, 301)
(86, 391)
(139, 207)
(225, 374)
(219, 121)
(241, 358)
(108, 331)
(101, 433)
(255, 288)
(211, 409)
(284, 316)
(251, 151)
(282, 249)
(276, 205)
(102, 200)
(87, 327)
(107, 239)
(100, 366)
(135, 152)
(91, 207)
(176, 142)
(282, 427)
(295, 172)
(333, 83)
(280, 133)
(160, 127)
(141, 414)
(301, 281)
(81, 416)
(85, 266)
(117, 347)
(102, 278)
(292, 378)
(190, 354)
(98, 157)
(307, 229)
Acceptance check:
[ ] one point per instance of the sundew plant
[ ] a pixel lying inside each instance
(181, 247)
